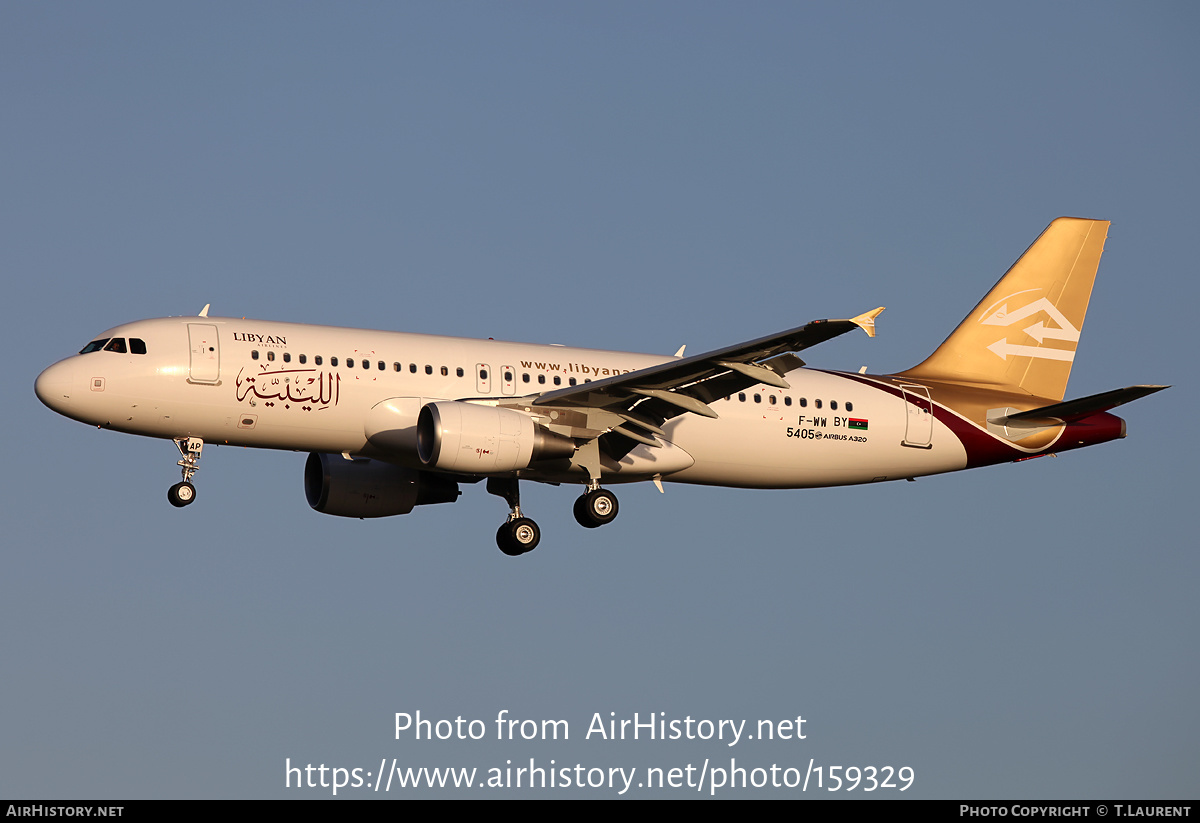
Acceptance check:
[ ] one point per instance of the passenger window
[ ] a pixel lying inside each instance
(429, 369)
(318, 360)
(849, 406)
(757, 398)
(508, 376)
(333, 362)
(817, 403)
(787, 400)
(445, 371)
(541, 378)
(483, 374)
(117, 345)
(803, 402)
(833, 405)
(572, 381)
(525, 378)
(396, 367)
(254, 354)
(287, 357)
(271, 356)
(459, 371)
(137, 346)
(557, 380)
(742, 396)
(349, 362)
(303, 359)
(771, 400)
(412, 367)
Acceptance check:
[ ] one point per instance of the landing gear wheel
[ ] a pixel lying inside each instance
(518, 536)
(181, 494)
(596, 508)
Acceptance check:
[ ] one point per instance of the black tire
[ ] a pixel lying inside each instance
(181, 494)
(596, 508)
(517, 537)
(580, 512)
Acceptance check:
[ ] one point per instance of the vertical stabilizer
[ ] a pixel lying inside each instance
(1024, 333)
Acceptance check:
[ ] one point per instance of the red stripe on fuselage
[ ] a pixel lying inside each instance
(984, 448)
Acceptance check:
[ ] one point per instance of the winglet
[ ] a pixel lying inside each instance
(204, 311)
(866, 321)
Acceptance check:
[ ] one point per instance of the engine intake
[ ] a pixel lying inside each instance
(473, 439)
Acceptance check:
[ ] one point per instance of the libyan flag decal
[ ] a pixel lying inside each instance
(856, 423)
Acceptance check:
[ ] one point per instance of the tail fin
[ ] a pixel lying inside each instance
(1024, 333)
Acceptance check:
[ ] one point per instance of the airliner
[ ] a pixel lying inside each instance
(393, 420)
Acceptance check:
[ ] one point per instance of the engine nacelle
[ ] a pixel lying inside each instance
(474, 439)
(370, 488)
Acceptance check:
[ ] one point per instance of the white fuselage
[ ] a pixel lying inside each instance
(319, 388)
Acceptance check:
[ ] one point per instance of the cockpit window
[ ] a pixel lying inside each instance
(95, 345)
(117, 344)
(137, 345)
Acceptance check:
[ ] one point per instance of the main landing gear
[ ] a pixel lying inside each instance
(595, 507)
(183, 493)
(519, 534)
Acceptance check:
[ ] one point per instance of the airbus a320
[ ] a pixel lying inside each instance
(394, 420)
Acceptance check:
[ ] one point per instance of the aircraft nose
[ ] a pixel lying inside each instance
(55, 385)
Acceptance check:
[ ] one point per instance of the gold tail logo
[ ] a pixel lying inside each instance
(1039, 331)
(1025, 331)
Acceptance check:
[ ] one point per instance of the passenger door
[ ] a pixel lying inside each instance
(205, 364)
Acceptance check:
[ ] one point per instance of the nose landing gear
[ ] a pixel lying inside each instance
(183, 493)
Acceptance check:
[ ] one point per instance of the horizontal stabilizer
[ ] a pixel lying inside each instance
(1058, 413)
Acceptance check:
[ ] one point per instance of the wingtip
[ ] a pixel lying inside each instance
(866, 320)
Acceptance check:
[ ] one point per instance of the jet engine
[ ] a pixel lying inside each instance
(370, 488)
(473, 439)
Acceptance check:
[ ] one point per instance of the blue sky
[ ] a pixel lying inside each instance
(625, 176)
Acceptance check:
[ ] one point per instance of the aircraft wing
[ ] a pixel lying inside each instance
(647, 397)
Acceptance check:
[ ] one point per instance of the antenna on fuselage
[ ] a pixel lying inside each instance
(204, 311)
